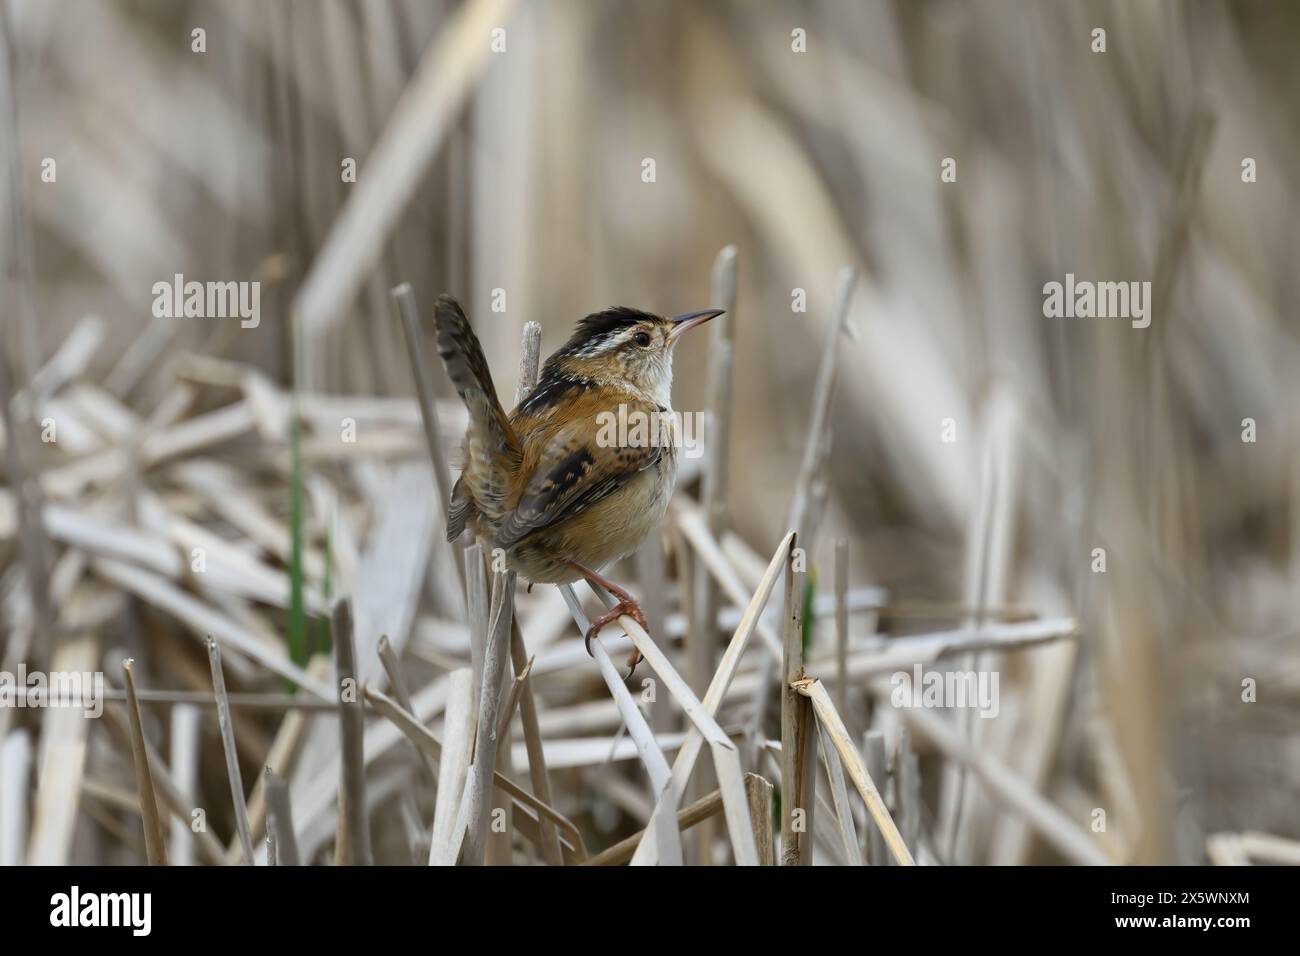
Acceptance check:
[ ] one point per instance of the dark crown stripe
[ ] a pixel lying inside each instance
(601, 324)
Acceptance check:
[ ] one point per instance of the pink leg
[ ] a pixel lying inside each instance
(626, 605)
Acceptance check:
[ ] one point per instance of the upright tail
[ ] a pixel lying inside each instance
(491, 448)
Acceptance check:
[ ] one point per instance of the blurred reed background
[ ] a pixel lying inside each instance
(516, 177)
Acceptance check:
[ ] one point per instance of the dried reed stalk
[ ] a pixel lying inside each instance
(62, 764)
(232, 755)
(873, 754)
(393, 670)
(840, 795)
(279, 819)
(353, 817)
(759, 792)
(828, 718)
(664, 830)
(155, 845)
(454, 760)
(842, 625)
(485, 739)
(178, 804)
(722, 678)
(798, 731)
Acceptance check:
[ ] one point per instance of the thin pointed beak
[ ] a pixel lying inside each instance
(684, 323)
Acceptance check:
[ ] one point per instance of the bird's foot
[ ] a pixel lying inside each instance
(628, 606)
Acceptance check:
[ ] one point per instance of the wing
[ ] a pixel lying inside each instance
(573, 472)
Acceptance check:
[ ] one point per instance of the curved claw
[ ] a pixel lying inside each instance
(628, 607)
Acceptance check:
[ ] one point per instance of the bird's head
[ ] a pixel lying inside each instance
(631, 346)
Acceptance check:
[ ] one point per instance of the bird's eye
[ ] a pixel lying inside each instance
(642, 339)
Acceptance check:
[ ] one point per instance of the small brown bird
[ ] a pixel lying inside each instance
(552, 484)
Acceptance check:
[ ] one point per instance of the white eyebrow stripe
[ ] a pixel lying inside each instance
(606, 341)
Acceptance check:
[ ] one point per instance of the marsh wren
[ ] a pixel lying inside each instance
(546, 484)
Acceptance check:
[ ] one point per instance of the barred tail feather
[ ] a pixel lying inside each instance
(492, 450)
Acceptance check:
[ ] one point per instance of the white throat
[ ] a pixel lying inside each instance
(660, 383)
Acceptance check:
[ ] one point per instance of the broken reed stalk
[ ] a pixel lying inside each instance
(232, 755)
(352, 730)
(759, 792)
(155, 847)
(814, 692)
(530, 360)
(798, 734)
(485, 736)
(279, 819)
(530, 353)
